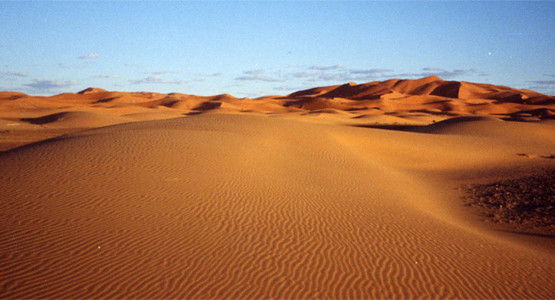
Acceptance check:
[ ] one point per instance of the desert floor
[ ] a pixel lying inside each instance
(230, 204)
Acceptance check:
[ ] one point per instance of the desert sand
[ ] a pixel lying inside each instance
(347, 191)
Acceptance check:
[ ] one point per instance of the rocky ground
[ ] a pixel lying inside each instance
(525, 204)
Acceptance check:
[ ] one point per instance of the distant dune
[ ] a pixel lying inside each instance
(25, 119)
(343, 192)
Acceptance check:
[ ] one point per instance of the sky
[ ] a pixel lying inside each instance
(257, 48)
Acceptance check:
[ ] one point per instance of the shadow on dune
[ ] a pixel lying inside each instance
(208, 106)
(542, 235)
(44, 119)
(431, 128)
(392, 126)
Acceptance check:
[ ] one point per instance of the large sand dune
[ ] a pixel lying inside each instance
(298, 196)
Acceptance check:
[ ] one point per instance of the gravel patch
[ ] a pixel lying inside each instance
(526, 204)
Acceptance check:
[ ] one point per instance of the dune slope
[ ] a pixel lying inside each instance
(247, 206)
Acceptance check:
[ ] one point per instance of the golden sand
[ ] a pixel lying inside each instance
(303, 196)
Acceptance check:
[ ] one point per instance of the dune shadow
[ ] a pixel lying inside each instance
(542, 235)
(208, 106)
(193, 113)
(44, 119)
(428, 128)
(105, 100)
(397, 127)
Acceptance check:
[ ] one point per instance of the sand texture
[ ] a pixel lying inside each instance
(349, 191)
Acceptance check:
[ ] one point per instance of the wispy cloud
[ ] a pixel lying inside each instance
(258, 78)
(216, 74)
(544, 82)
(336, 77)
(329, 76)
(304, 74)
(156, 80)
(106, 76)
(162, 72)
(11, 89)
(288, 88)
(433, 69)
(445, 74)
(48, 86)
(334, 74)
(543, 86)
(12, 74)
(376, 72)
(338, 73)
(254, 72)
(313, 74)
(89, 56)
(134, 65)
(326, 68)
(257, 75)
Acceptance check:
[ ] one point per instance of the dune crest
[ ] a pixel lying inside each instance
(91, 90)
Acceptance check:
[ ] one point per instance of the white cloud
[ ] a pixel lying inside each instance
(89, 56)
(432, 69)
(156, 80)
(257, 75)
(254, 72)
(543, 86)
(325, 76)
(545, 82)
(288, 88)
(326, 68)
(304, 74)
(47, 85)
(11, 89)
(339, 77)
(162, 72)
(258, 78)
(106, 76)
(377, 72)
(12, 74)
(337, 73)
(216, 74)
(135, 65)
(445, 74)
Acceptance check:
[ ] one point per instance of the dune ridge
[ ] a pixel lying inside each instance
(159, 196)
(395, 101)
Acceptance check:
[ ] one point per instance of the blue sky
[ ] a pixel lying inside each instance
(255, 48)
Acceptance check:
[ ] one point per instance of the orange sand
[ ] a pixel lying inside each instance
(276, 197)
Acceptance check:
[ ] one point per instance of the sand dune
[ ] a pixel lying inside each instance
(299, 196)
